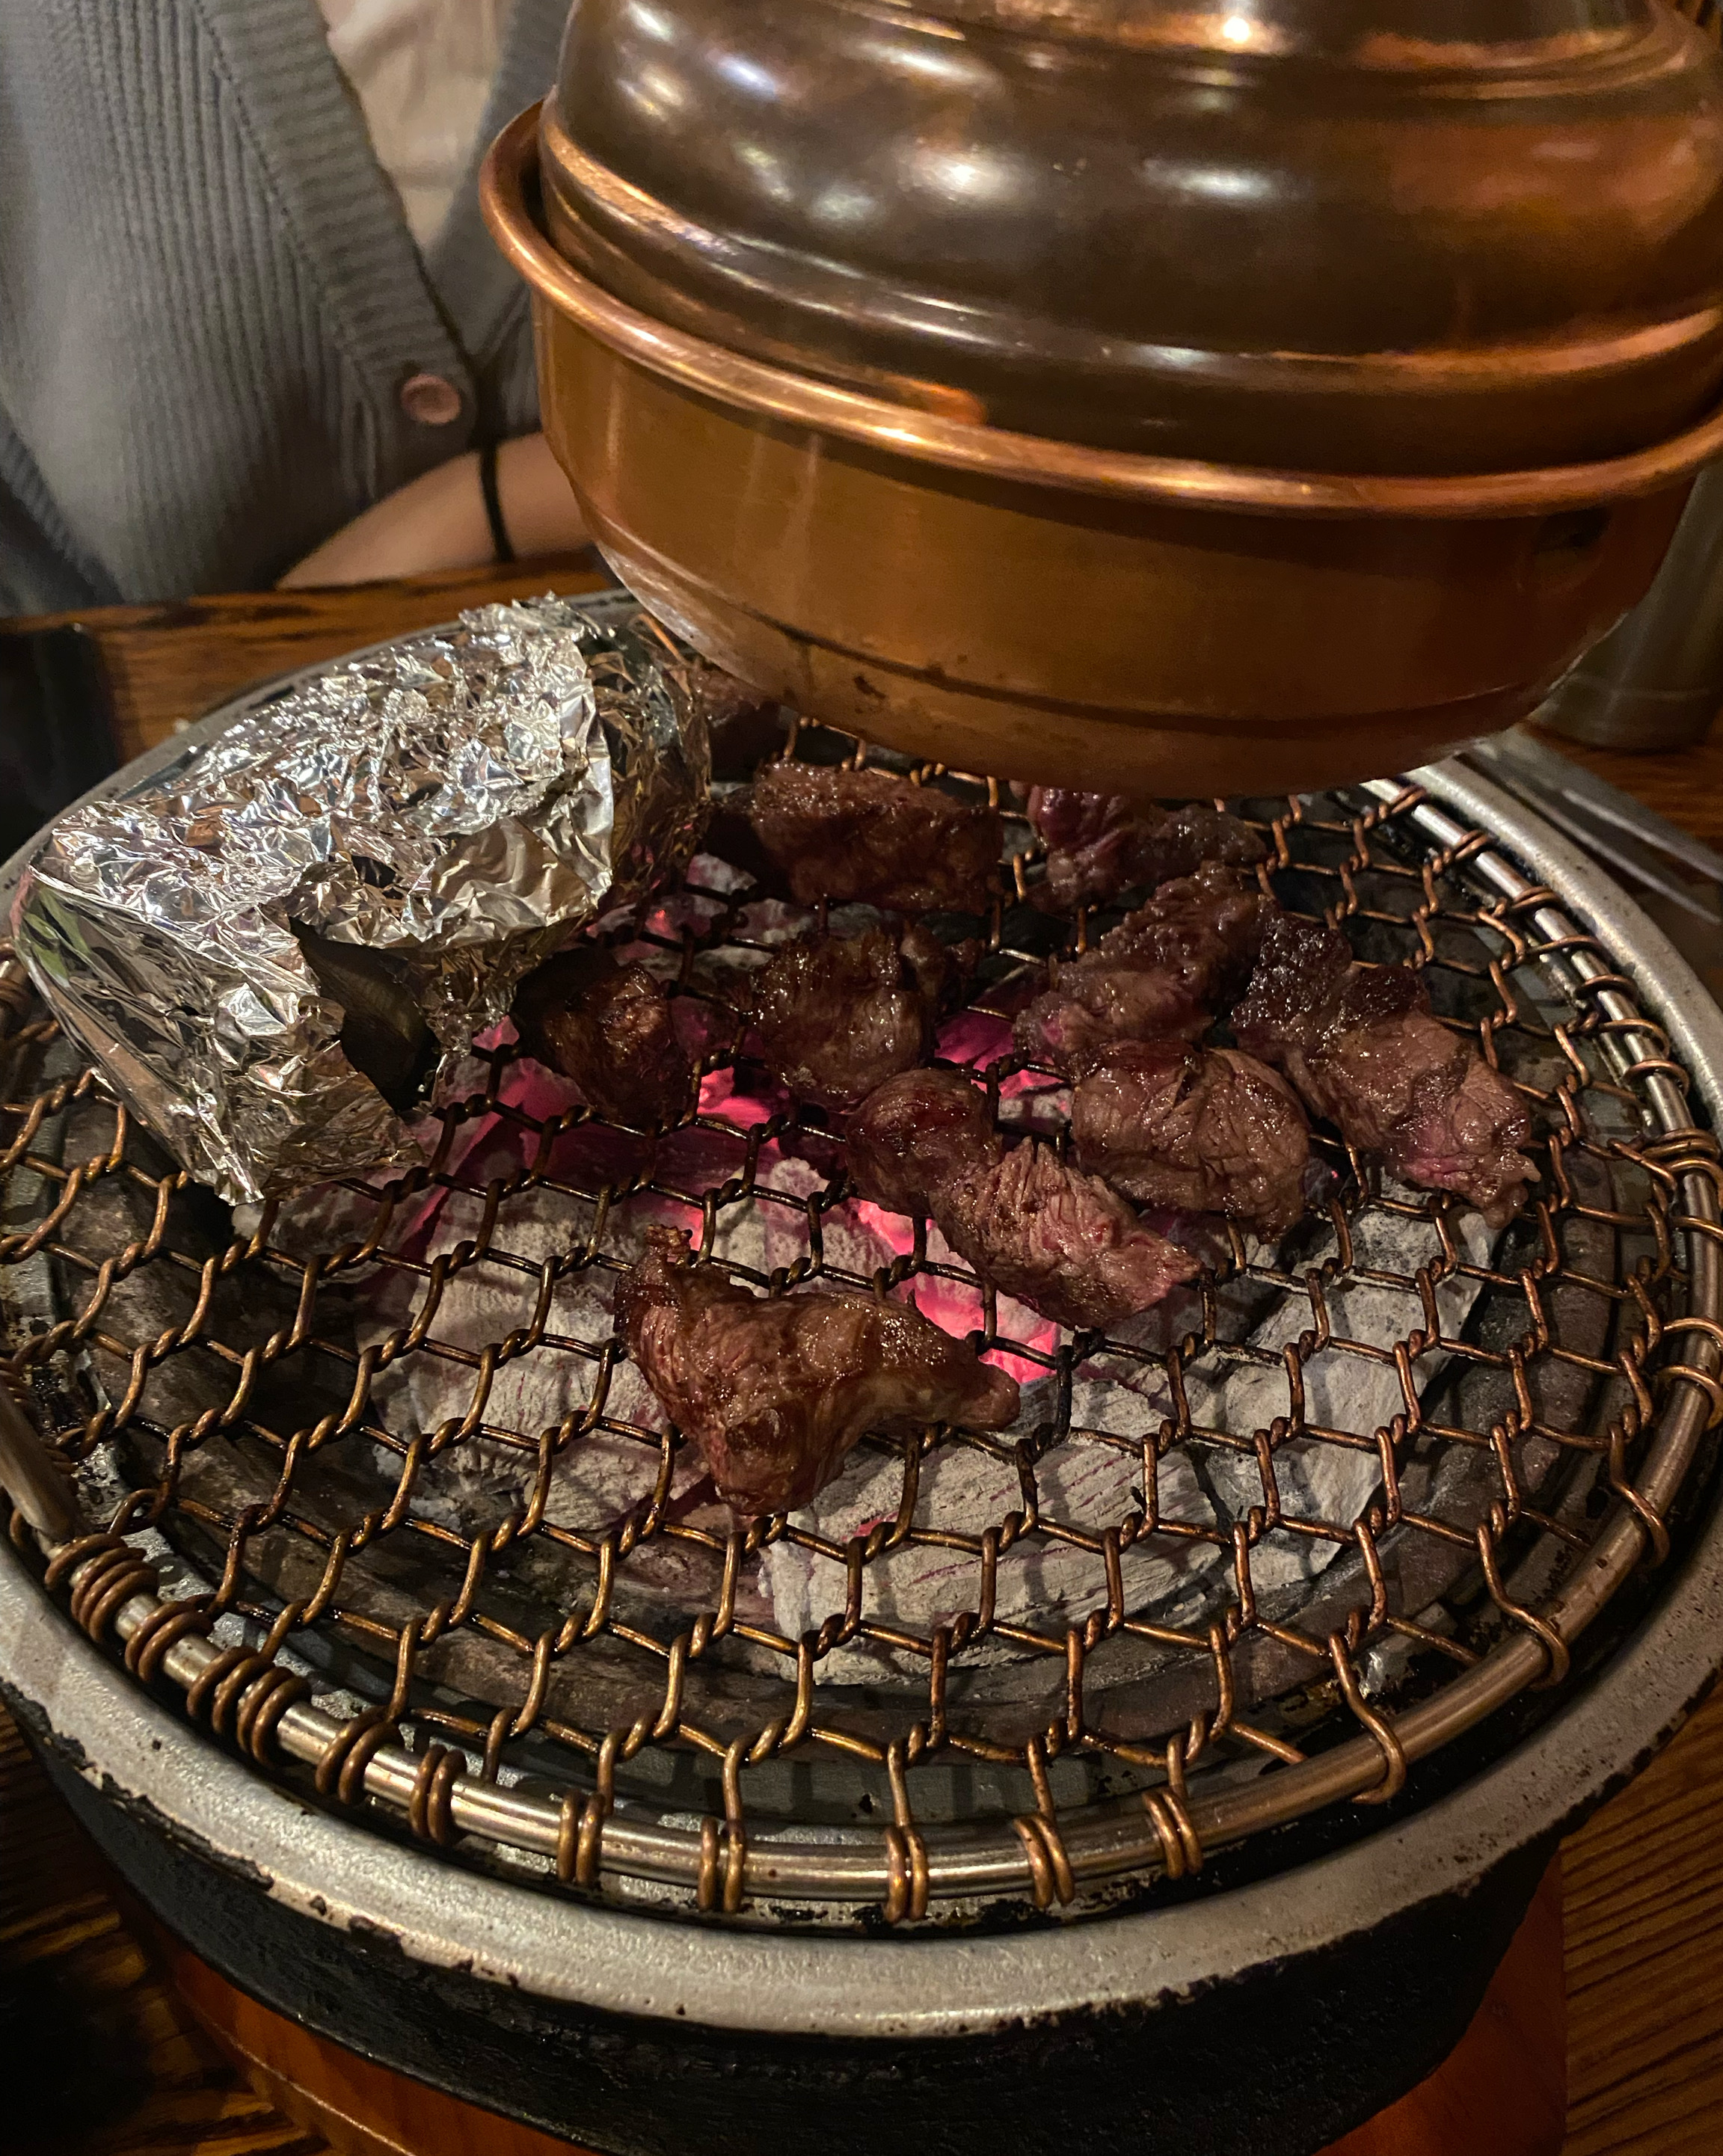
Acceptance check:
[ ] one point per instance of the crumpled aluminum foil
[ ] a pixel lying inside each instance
(459, 803)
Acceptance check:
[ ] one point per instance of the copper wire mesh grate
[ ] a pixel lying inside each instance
(377, 1496)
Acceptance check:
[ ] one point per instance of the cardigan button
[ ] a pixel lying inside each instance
(431, 400)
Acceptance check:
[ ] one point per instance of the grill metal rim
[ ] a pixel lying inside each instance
(331, 1870)
(852, 1866)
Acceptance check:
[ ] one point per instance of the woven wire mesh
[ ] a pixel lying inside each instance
(1311, 1493)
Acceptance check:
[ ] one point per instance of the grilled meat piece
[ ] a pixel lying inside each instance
(1061, 1241)
(839, 1016)
(1364, 1049)
(1095, 1006)
(1157, 976)
(916, 1135)
(1058, 1239)
(610, 1029)
(1098, 845)
(775, 1392)
(1205, 928)
(730, 833)
(869, 835)
(1201, 1129)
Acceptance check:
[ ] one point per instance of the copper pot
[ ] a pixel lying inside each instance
(935, 369)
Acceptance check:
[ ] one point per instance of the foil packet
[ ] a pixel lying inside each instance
(270, 948)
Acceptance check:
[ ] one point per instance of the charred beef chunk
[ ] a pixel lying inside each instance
(1158, 976)
(1100, 844)
(775, 1392)
(869, 835)
(730, 834)
(837, 1016)
(1362, 1046)
(1040, 1230)
(916, 1135)
(1201, 1130)
(1061, 1241)
(1095, 1006)
(1205, 928)
(610, 1029)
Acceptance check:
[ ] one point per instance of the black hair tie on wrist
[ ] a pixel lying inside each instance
(502, 546)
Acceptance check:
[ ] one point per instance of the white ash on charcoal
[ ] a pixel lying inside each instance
(1086, 1483)
(603, 1475)
(1090, 1478)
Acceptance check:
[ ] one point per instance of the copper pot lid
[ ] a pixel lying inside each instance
(1429, 237)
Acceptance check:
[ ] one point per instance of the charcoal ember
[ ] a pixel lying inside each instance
(1199, 1130)
(916, 1135)
(1033, 1582)
(837, 1015)
(610, 1029)
(1365, 1050)
(1098, 845)
(775, 1392)
(1039, 1229)
(1159, 975)
(870, 836)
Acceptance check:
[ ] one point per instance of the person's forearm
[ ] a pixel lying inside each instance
(538, 504)
(438, 521)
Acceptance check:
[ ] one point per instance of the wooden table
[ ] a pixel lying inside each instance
(1642, 1886)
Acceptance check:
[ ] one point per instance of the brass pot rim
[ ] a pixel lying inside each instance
(776, 394)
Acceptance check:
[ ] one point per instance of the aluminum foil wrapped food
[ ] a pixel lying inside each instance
(270, 947)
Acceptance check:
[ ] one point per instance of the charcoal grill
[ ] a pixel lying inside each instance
(1229, 1759)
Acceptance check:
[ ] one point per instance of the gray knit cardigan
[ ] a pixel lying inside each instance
(209, 298)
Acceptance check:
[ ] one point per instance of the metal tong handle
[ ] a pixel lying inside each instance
(28, 1476)
(1640, 848)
